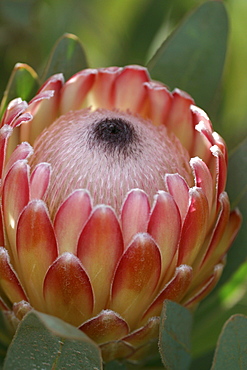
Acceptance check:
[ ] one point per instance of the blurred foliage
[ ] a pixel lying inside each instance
(118, 33)
(129, 32)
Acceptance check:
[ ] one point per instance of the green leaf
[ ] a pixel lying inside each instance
(145, 20)
(115, 365)
(46, 342)
(237, 191)
(174, 340)
(7, 330)
(203, 362)
(67, 57)
(237, 175)
(231, 351)
(23, 83)
(193, 57)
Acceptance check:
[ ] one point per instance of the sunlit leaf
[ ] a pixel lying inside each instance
(46, 342)
(231, 351)
(23, 83)
(192, 58)
(67, 57)
(174, 341)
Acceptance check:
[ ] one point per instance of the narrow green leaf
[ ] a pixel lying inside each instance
(23, 83)
(231, 351)
(174, 340)
(46, 342)
(67, 57)
(192, 58)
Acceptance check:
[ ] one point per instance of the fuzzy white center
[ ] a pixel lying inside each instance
(108, 153)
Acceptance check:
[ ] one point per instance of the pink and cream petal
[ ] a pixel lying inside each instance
(105, 327)
(67, 290)
(136, 278)
(179, 189)
(5, 133)
(75, 91)
(201, 116)
(219, 141)
(219, 169)
(22, 151)
(219, 229)
(144, 334)
(164, 226)
(70, 220)
(39, 180)
(15, 197)
(202, 142)
(129, 91)
(43, 110)
(36, 249)
(14, 109)
(10, 288)
(100, 247)
(194, 228)
(160, 100)
(22, 119)
(2, 231)
(225, 239)
(203, 179)
(174, 290)
(180, 118)
(102, 93)
(193, 298)
(135, 214)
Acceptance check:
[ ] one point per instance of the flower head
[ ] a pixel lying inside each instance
(112, 201)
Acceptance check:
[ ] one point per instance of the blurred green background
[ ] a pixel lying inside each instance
(119, 32)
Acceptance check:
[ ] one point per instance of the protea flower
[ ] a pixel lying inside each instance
(112, 201)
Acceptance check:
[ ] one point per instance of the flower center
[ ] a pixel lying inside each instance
(114, 135)
(108, 153)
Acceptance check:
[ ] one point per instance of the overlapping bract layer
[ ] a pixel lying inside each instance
(103, 272)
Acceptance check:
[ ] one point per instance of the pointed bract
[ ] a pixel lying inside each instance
(174, 290)
(105, 327)
(101, 238)
(39, 180)
(16, 195)
(194, 227)
(165, 213)
(75, 90)
(134, 214)
(36, 249)
(132, 279)
(9, 283)
(129, 92)
(70, 220)
(67, 290)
